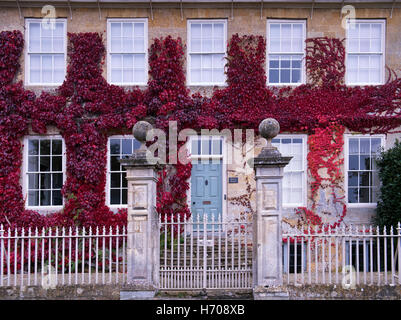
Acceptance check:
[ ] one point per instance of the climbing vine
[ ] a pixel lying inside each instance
(86, 110)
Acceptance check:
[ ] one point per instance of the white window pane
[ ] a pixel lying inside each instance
(365, 45)
(59, 30)
(128, 45)
(46, 29)
(219, 30)
(116, 61)
(375, 61)
(375, 45)
(353, 30)
(207, 75)
(218, 45)
(34, 37)
(116, 45)
(275, 45)
(218, 75)
(363, 75)
(285, 30)
(128, 75)
(115, 29)
(195, 30)
(139, 30)
(35, 76)
(59, 62)
(207, 45)
(376, 30)
(352, 61)
(274, 30)
(59, 76)
(364, 62)
(34, 62)
(297, 30)
(196, 45)
(139, 45)
(46, 43)
(196, 75)
(127, 30)
(139, 75)
(364, 30)
(47, 62)
(374, 75)
(207, 30)
(207, 61)
(139, 61)
(218, 61)
(116, 75)
(196, 61)
(353, 45)
(47, 76)
(286, 45)
(128, 61)
(297, 45)
(58, 44)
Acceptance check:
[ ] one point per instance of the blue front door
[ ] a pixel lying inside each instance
(206, 190)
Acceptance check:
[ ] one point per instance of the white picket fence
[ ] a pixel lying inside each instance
(359, 254)
(62, 256)
(205, 253)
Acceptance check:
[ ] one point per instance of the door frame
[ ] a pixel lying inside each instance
(223, 157)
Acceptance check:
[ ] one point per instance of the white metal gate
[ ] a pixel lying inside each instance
(200, 253)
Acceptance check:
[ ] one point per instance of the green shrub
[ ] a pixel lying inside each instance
(389, 204)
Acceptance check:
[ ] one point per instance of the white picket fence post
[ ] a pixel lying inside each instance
(30, 255)
(372, 251)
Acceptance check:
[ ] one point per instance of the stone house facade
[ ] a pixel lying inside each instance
(287, 23)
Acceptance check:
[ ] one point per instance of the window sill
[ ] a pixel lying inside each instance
(361, 205)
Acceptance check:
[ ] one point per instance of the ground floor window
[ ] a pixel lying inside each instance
(294, 180)
(118, 147)
(362, 178)
(44, 174)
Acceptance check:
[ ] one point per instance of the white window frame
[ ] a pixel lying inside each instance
(27, 53)
(346, 163)
(25, 179)
(189, 51)
(303, 66)
(304, 138)
(383, 52)
(108, 173)
(108, 62)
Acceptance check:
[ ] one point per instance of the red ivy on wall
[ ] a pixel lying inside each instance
(86, 110)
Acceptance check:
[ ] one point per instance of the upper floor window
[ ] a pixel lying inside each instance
(44, 171)
(127, 45)
(206, 51)
(365, 52)
(294, 179)
(286, 51)
(119, 147)
(362, 178)
(46, 52)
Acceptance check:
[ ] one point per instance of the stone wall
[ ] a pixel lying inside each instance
(168, 21)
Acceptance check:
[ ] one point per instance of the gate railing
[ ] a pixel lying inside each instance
(355, 254)
(62, 256)
(198, 253)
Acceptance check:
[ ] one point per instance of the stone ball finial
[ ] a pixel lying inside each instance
(140, 130)
(269, 128)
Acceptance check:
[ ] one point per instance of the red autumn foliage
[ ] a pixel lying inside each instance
(86, 109)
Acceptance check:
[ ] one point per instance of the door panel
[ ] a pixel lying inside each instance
(206, 190)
